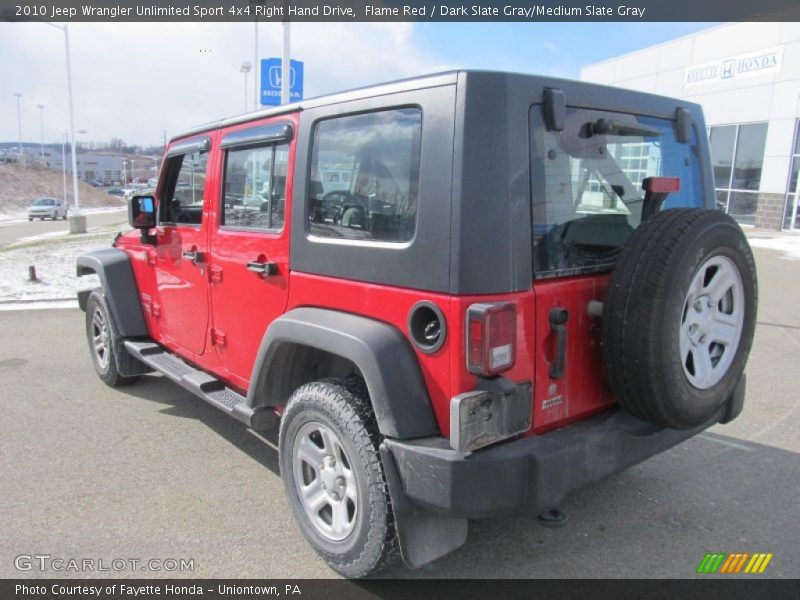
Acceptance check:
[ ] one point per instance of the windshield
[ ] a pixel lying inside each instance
(44, 202)
(587, 184)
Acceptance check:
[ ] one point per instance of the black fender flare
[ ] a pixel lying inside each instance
(380, 351)
(113, 267)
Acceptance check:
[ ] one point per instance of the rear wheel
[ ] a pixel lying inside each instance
(333, 476)
(103, 338)
(679, 317)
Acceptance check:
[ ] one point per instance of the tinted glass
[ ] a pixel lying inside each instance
(749, 156)
(587, 185)
(255, 187)
(183, 199)
(742, 207)
(364, 177)
(721, 141)
(794, 173)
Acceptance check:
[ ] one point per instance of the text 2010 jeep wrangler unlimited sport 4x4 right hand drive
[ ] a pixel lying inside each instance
(462, 295)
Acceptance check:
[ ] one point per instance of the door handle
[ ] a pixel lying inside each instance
(193, 255)
(265, 269)
(558, 318)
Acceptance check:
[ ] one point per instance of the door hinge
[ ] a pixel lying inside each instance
(217, 337)
(215, 274)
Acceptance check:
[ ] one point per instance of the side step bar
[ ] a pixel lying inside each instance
(200, 383)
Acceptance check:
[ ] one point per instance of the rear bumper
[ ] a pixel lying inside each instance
(532, 475)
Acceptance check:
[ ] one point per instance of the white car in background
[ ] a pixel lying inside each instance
(47, 208)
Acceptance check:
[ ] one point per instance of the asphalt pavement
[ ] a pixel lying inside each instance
(11, 231)
(149, 471)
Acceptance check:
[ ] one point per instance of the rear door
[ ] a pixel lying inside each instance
(182, 245)
(587, 201)
(249, 264)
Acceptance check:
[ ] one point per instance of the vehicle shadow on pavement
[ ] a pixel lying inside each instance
(713, 493)
(261, 446)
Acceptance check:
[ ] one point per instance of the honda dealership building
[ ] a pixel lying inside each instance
(747, 78)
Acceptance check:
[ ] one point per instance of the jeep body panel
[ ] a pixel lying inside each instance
(113, 267)
(381, 353)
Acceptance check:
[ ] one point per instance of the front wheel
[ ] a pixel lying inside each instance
(103, 338)
(333, 476)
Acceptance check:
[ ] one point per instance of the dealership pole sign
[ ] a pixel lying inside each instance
(761, 62)
(272, 77)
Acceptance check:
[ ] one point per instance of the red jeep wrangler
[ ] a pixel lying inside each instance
(461, 295)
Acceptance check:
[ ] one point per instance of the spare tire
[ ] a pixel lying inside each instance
(679, 316)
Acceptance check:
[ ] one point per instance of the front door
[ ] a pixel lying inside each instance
(249, 264)
(182, 247)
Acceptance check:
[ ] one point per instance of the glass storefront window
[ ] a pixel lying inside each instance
(721, 141)
(742, 207)
(737, 157)
(749, 156)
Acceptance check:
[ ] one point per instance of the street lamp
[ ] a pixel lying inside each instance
(41, 130)
(245, 69)
(64, 165)
(256, 68)
(76, 224)
(286, 80)
(20, 157)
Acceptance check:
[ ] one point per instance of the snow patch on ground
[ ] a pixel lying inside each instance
(54, 259)
(788, 243)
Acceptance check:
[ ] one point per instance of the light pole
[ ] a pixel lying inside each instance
(77, 146)
(20, 156)
(64, 165)
(81, 132)
(77, 224)
(286, 80)
(245, 69)
(41, 130)
(256, 68)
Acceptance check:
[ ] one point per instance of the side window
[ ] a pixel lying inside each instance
(364, 178)
(185, 188)
(255, 188)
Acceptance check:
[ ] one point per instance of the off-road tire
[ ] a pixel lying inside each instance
(108, 372)
(343, 406)
(644, 308)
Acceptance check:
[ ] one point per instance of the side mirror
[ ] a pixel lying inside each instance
(142, 212)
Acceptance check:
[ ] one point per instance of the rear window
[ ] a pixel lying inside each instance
(587, 185)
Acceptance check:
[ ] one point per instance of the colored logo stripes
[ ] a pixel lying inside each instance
(736, 562)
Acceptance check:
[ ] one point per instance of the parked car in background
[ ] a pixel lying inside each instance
(96, 183)
(47, 208)
(115, 191)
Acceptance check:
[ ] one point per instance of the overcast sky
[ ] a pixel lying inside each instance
(135, 80)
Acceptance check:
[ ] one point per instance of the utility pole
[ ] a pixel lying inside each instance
(256, 68)
(286, 81)
(245, 69)
(41, 130)
(64, 165)
(20, 156)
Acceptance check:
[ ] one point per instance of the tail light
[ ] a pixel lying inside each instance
(491, 338)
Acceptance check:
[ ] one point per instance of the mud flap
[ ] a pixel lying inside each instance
(423, 536)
